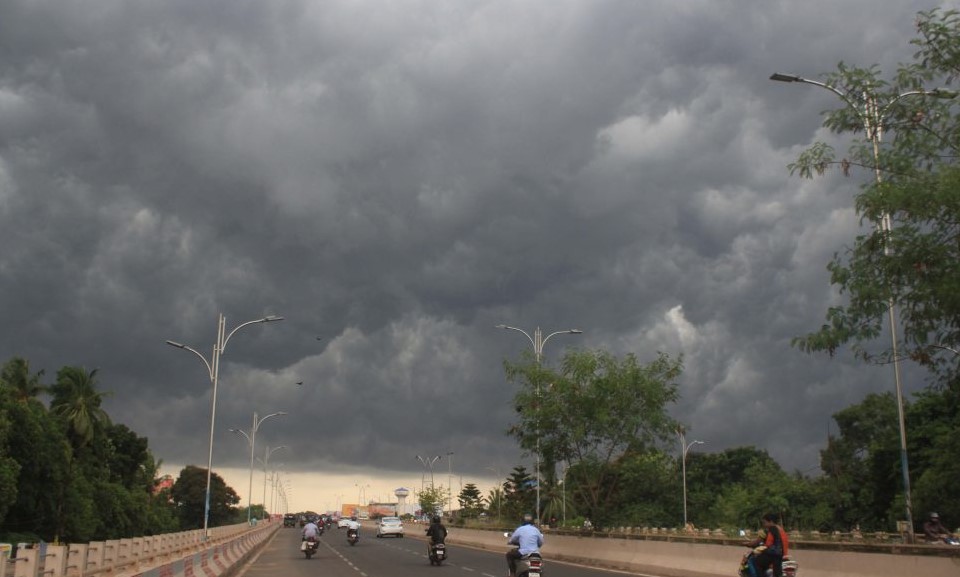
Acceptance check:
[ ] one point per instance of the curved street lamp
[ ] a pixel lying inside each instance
(871, 114)
(684, 448)
(252, 439)
(266, 459)
(538, 340)
(213, 371)
(427, 463)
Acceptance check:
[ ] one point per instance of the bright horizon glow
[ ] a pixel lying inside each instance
(321, 492)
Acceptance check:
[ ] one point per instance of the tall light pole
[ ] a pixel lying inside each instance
(361, 495)
(252, 439)
(563, 492)
(266, 459)
(450, 481)
(872, 114)
(684, 448)
(274, 481)
(428, 463)
(538, 340)
(213, 371)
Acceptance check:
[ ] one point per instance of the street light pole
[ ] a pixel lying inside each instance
(213, 371)
(450, 481)
(538, 340)
(563, 494)
(274, 481)
(252, 440)
(361, 496)
(871, 115)
(428, 462)
(684, 448)
(266, 459)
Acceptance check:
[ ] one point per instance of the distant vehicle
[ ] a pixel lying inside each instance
(343, 522)
(289, 520)
(390, 526)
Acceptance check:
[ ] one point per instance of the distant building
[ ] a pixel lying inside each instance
(164, 482)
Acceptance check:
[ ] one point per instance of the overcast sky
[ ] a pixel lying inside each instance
(398, 177)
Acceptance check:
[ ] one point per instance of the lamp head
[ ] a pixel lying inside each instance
(785, 77)
(941, 93)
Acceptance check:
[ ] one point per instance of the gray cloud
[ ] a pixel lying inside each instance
(400, 177)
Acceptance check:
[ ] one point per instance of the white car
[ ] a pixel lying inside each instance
(390, 526)
(343, 522)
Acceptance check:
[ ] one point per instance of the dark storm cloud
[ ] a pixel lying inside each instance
(398, 178)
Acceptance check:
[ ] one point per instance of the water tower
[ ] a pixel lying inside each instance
(402, 493)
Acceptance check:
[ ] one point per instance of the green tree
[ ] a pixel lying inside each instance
(431, 499)
(24, 386)
(495, 503)
(910, 183)
(647, 491)
(77, 400)
(471, 501)
(189, 494)
(933, 419)
(597, 409)
(519, 493)
(37, 443)
(9, 467)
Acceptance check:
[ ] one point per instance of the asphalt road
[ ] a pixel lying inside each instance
(387, 557)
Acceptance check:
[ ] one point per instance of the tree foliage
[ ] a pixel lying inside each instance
(431, 499)
(910, 193)
(189, 493)
(592, 413)
(66, 472)
(471, 501)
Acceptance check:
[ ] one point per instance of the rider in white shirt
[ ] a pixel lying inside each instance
(311, 530)
(354, 525)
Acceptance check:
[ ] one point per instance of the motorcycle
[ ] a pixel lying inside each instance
(309, 546)
(790, 567)
(529, 565)
(438, 552)
(353, 536)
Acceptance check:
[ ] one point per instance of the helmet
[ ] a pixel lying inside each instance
(527, 519)
(436, 519)
(934, 516)
(353, 517)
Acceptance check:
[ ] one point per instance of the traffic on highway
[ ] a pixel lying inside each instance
(373, 557)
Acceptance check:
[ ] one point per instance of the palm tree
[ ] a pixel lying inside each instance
(77, 400)
(16, 375)
(495, 501)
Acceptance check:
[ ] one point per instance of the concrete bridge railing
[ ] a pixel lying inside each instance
(171, 555)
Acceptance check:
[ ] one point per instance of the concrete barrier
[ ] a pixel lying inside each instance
(185, 554)
(699, 557)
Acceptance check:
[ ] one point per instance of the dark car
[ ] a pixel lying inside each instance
(289, 520)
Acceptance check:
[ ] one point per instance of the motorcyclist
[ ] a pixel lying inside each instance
(770, 547)
(310, 531)
(353, 525)
(436, 531)
(527, 538)
(935, 532)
